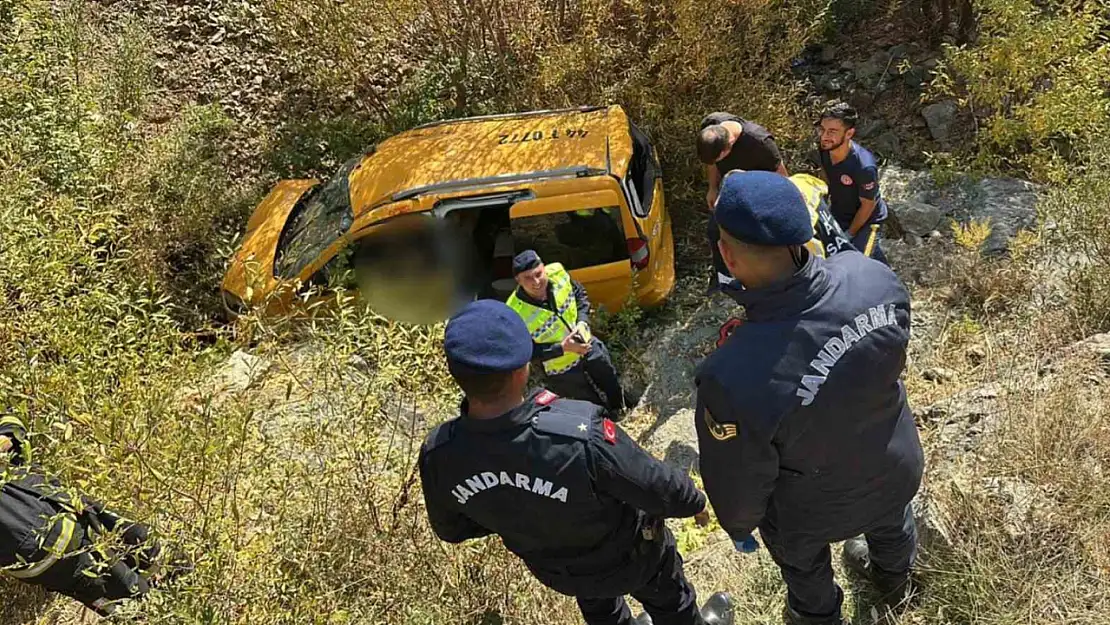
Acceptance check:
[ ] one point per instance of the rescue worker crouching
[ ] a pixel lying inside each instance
(803, 426)
(566, 489)
(555, 308)
(50, 539)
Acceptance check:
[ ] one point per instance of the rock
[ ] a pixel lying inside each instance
(900, 184)
(848, 66)
(1009, 204)
(915, 77)
(239, 372)
(871, 71)
(888, 145)
(828, 54)
(939, 374)
(898, 52)
(916, 218)
(914, 241)
(870, 128)
(1027, 506)
(939, 118)
(861, 100)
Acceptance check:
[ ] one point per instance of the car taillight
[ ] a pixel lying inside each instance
(638, 253)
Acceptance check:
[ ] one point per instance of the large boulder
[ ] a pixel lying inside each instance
(920, 206)
(940, 117)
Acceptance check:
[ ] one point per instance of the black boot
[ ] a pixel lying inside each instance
(718, 609)
(894, 589)
(790, 617)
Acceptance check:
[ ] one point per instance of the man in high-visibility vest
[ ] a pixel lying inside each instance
(556, 309)
(65, 542)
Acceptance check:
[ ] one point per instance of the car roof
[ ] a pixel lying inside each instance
(492, 150)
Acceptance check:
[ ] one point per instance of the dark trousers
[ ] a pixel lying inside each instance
(806, 564)
(593, 379)
(720, 276)
(668, 597)
(867, 240)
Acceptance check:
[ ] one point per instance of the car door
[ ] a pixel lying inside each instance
(588, 233)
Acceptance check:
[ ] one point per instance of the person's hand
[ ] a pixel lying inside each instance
(748, 545)
(574, 347)
(702, 518)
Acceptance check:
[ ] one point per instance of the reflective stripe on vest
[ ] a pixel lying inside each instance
(67, 541)
(546, 326)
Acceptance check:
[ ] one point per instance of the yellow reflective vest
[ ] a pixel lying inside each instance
(547, 326)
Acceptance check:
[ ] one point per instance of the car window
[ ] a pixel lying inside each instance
(320, 217)
(577, 239)
(642, 170)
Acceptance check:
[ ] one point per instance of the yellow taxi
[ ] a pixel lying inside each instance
(580, 186)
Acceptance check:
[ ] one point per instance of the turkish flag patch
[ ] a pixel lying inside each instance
(545, 398)
(609, 430)
(846, 180)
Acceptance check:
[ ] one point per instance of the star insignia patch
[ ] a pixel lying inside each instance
(582, 427)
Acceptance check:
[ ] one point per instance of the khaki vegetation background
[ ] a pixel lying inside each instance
(137, 135)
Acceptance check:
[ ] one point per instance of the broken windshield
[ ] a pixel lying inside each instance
(320, 217)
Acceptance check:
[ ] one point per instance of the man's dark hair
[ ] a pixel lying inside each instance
(483, 387)
(842, 111)
(712, 140)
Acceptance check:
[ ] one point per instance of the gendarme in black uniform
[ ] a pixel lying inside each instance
(566, 490)
(803, 425)
(755, 150)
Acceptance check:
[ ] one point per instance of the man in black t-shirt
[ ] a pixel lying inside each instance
(853, 178)
(725, 143)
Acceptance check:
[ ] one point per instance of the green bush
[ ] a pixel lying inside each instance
(1035, 85)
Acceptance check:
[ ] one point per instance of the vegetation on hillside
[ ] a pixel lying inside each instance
(135, 137)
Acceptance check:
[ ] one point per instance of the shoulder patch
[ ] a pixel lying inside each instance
(727, 330)
(719, 431)
(846, 180)
(573, 424)
(609, 430)
(440, 435)
(545, 398)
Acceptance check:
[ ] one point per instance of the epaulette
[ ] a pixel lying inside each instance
(565, 417)
(440, 435)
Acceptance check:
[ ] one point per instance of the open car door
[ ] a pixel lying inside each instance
(589, 233)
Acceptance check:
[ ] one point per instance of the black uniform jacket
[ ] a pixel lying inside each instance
(801, 415)
(565, 489)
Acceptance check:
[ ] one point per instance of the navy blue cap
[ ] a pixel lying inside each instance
(528, 259)
(763, 208)
(487, 336)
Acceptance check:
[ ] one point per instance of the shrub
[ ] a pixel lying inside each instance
(1034, 83)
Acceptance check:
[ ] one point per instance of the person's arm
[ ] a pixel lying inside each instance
(775, 155)
(630, 474)
(447, 523)
(581, 300)
(714, 176)
(739, 464)
(867, 183)
(546, 351)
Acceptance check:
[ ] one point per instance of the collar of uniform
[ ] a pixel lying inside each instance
(528, 299)
(517, 416)
(787, 298)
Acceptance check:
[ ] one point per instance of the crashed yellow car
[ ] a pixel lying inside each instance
(434, 215)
